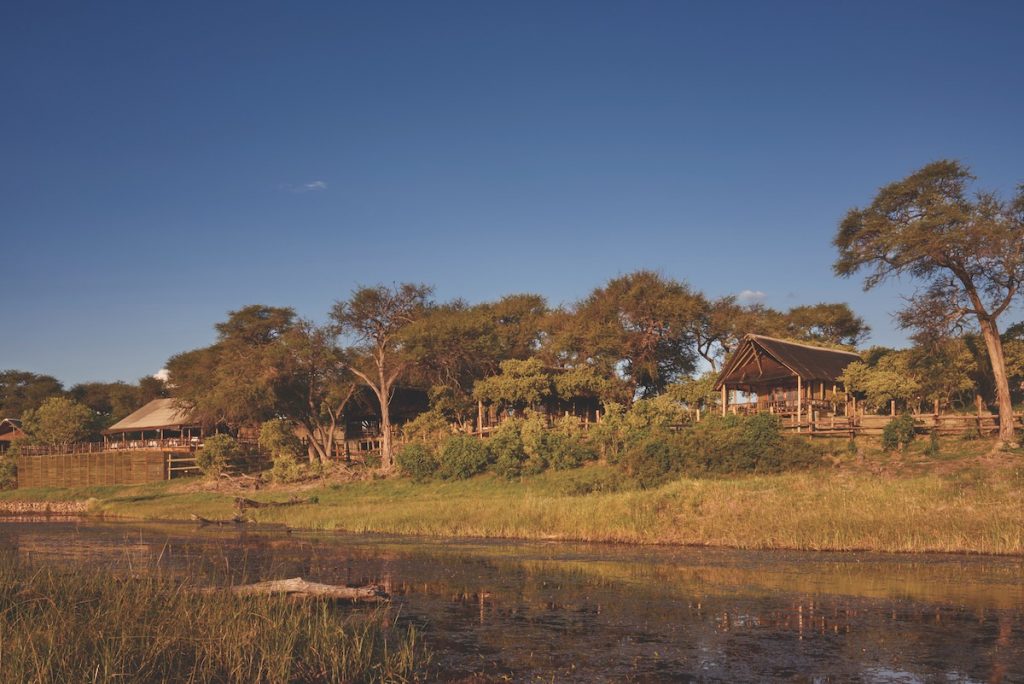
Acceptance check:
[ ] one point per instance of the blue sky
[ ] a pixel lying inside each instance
(163, 163)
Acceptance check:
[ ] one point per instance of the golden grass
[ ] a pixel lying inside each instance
(970, 509)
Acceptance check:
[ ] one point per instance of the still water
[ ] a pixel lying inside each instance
(534, 611)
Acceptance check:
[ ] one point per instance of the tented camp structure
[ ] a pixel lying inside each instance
(791, 379)
(10, 430)
(160, 423)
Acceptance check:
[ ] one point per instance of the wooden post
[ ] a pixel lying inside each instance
(725, 400)
(698, 415)
(892, 407)
(480, 416)
(799, 402)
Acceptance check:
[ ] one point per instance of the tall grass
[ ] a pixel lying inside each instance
(92, 626)
(876, 501)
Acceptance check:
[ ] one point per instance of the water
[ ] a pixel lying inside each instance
(520, 611)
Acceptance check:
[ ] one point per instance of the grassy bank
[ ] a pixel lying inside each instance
(91, 626)
(874, 502)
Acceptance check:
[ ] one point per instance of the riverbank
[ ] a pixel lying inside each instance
(902, 504)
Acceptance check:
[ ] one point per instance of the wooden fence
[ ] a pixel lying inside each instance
(87, 469)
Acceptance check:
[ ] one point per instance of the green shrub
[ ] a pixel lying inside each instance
(430, 427)
(608, 436)
(565, 452)
(505, 450)
(462, 456)
(653, 461)
(8, 472)
(534, 429)
(737, 444)
(934, 448)
(278, 438)
(898, 433)
(217, 452)
(417, 461)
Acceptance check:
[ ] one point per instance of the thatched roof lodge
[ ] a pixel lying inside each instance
(784, 377)
(161, 422)
(10, 430)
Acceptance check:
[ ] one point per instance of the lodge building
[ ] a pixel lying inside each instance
(794, 380)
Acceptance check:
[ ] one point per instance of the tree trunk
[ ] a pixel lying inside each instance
(387, 461)
(1003, 400)
(386, 457)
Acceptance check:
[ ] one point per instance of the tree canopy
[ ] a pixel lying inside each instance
(965, 250)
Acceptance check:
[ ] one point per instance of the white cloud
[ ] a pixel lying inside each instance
(311, 186)
(751, 297)
(162, 374)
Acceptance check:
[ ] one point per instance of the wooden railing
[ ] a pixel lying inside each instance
(168, 443)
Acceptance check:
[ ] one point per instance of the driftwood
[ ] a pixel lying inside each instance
(237, 520)
(300, 588)
(242, 503)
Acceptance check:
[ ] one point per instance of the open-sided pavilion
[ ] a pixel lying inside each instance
(790, 379)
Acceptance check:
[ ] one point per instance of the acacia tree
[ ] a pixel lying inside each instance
(22, 390)
(457, 344)
(236, 379)
(966, 250)
(316, 385)
(638, 327)
(376, 317)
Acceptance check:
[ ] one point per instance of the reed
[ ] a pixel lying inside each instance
(94, 626)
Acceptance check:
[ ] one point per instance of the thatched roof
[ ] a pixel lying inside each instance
(762, 359)
(10, 429)
(157, 414)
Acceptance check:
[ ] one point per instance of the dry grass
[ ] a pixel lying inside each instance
(870, 501)
(91, 626)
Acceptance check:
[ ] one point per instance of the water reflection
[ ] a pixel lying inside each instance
(576, 612)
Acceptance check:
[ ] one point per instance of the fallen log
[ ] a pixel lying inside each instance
(237, 520)
(298, 587)
(242, 503)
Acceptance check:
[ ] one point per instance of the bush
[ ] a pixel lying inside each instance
(565, 452)
(430, 427)
(278, 438)
(8, 472)
(898, 433)
(417, 461)
(608, 436)
(217, 452)
(566, 444)
(933, 449)
(737, 444)
(461, 457)
(505, 450)
(534, 429)
(653, 461)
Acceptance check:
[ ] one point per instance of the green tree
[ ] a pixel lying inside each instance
(236, 380)
(375, 318)
(520, 385)
(456, 344)
(966, 250)
(886, 377)
(58, 422)
(315, 384)
(638, 327)
(22, 390)
(831, 324)
(110, 401)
